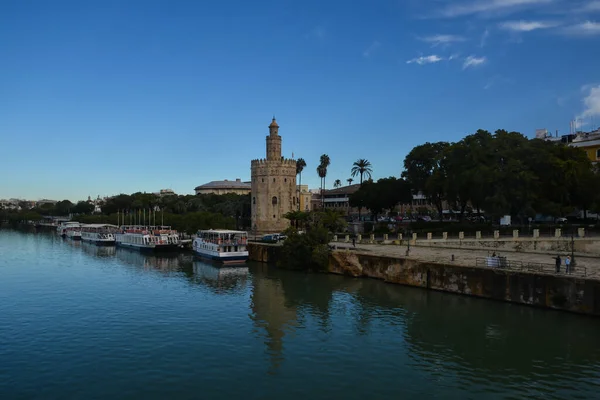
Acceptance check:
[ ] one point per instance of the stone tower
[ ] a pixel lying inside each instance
(273, 187)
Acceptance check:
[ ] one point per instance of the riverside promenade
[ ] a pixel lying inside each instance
(474, 257)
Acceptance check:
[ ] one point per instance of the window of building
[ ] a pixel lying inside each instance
(274, 216)
(263, 179)
(285, 179)
(598, 154)
(273, 179)
(274, 200)
(254, 200)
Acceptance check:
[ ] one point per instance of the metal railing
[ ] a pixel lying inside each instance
(540, 268)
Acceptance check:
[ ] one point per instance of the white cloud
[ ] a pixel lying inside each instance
(486, 6)
(587, 28)
(527, 26)
(591, 102)
(436, 40)
(472, 62)
(453, 57)
(371, 49)
(484, 37)
(425, 60)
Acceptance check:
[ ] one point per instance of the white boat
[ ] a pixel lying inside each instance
(99, 234)
(70, 229)
(147, 238)
(228, 247)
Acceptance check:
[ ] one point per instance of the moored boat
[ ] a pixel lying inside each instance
(70, 230)
(99, 234)
(147, 238)
(225, 246)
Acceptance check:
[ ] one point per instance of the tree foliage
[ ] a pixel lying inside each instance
(503, 173)
(384, 194)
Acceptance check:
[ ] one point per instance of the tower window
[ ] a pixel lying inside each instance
(254, 200)
(274, 216)
(285, 179)
(274, 200)
(263, 179)
(273, 179)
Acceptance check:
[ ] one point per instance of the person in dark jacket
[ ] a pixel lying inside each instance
(558, 262)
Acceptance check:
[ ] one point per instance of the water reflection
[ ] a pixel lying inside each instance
(220, 279)
(166, 262)
(98, 251)
(478, 340)
(475, 345)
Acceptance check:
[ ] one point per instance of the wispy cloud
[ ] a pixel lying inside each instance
(495, 80)
(527, 26)
(437, 40)
(591, 102)
(425, 60)
(590, 7)
(371, 49)
(472, 62)
(487, 6)
(484, 38)
(587, 28)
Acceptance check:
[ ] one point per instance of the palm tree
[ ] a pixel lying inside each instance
(322, 171)
(300, 165)
(361, 167)
(337, 183)
(349, 180)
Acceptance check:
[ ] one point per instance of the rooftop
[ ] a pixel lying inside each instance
(342, 190)
(226, 184)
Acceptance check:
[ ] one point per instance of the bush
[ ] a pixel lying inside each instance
(308, 251)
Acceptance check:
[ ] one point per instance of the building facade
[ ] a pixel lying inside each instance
(224, 187)
(273, 187)
(304, 198)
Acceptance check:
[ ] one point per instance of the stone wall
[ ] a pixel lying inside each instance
(263, 252)
(562, 293)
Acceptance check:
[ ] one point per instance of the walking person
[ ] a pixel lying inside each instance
(558, 262)
(568, 264)
(353, 240)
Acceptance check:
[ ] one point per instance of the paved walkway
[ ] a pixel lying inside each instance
(468, 257)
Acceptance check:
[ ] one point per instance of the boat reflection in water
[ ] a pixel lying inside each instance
(97, 251)
(165, 262)
(221, 280)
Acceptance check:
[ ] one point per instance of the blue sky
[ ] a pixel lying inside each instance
(104, 97)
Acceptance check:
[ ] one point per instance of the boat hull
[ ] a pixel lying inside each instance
(149, 249)
(223, 259)
(100, 242)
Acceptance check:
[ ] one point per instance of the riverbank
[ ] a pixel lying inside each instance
(546, 290)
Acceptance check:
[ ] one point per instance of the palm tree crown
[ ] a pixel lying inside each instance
(300, 165)
(337, 183)
(362, 167)
(349, 180)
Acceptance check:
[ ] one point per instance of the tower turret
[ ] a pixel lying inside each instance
(273, 142)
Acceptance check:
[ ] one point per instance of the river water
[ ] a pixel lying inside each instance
(84, 322)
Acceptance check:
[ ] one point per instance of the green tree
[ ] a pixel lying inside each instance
(337, 183)
(424, 171)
